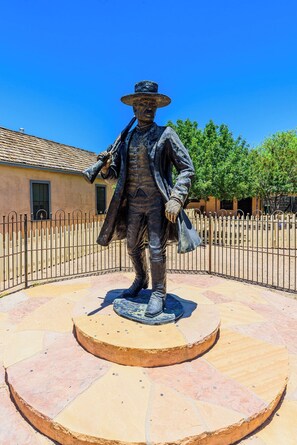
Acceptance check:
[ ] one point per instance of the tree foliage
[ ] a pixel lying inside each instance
(222, 163)
(274, 167)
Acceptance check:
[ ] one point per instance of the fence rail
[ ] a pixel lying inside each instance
(259, 249)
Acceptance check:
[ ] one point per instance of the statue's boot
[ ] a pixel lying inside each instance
(141, 278)
(157, 300)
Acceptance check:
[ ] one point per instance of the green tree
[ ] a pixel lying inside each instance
(222, 163)
(275, 168)
(192, 137)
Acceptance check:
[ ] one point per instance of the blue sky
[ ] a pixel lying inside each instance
(65, 64)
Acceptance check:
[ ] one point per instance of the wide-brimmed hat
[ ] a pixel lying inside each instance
(147, 89)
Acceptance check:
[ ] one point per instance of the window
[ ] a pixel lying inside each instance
(100, 198)
(226, 205)
(40, 199)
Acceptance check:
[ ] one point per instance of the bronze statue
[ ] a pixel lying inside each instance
(146, 207)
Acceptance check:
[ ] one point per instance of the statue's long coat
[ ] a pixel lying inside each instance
(164, 150)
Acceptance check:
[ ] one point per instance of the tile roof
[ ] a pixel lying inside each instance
(31, 151)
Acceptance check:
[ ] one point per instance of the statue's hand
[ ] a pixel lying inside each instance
(105, 155)
(172, 209)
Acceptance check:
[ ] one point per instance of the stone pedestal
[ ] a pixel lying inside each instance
(127, 342)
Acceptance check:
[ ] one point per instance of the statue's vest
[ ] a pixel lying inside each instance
(139, 176)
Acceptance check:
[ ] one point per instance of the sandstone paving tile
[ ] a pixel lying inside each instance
(14, 430)
(6, 330)
(285, 325)
(240, 292)
(203, 321)
(171, 416)
(289, 335)
(190, 305)
(263, 331)
(90, 303)
(111, 294)
(286, 304)
(172, 286)
(55, 315)
(256, 365)
(114, 407)
(271, 313)
(282, 430)
(51, 337)
(11, 301)
(216, 297)
(3, 317)
(107, 282)
(102, 309)
(22, 345)
(204, 281)
(76, 295)
(43, 440)
(235, 313)
(191, 293)
(2, 376)
(203, 382)
(18, 313)
(50, 380)
(83, 282)
(291, 393)
(218, 417)
(5, 326)
(98, 304)
(57, 289)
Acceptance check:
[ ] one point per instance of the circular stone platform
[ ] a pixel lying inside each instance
(127, 342)
(77, 398)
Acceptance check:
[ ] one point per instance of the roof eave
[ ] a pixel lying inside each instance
(45, 168)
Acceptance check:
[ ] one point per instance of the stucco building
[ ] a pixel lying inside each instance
(40, 176)
(213, 205)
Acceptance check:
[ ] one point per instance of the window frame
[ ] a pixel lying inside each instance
(96, 198)
(226, 208)
(37, 181)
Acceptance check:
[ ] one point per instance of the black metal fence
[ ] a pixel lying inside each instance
(260, 249)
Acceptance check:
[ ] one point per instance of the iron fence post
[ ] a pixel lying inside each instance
(120, 265)
(26, 249)
(210, 243)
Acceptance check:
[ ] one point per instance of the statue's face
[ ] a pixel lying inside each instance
(145, 110)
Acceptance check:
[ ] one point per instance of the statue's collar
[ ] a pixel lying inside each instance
(146, 129)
